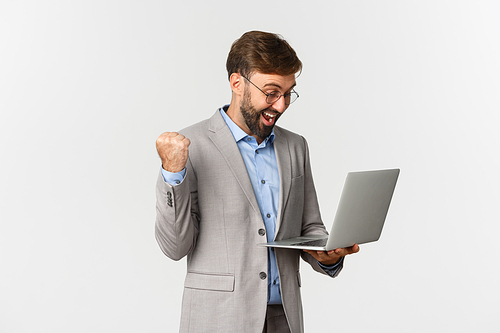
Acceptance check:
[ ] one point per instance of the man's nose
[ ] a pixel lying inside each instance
(280, 105)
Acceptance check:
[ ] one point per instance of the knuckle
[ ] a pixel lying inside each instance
(172, 141)
(163, 137)
(160, 141)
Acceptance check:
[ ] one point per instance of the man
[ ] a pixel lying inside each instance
(236, 180)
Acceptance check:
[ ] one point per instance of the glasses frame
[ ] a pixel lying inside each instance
(268, 96)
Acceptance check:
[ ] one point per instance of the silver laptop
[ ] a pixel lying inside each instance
(360, 215)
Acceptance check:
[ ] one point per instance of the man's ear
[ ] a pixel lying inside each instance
(235, 81)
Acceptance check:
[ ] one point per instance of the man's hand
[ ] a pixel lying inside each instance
(173, 149)
(332, 257)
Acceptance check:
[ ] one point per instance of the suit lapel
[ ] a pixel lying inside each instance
(223, 139)
(285, 171)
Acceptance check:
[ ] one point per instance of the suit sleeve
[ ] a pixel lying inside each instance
(177, 216)
(311, 221)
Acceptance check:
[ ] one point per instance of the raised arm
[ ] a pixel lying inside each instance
(176, 204)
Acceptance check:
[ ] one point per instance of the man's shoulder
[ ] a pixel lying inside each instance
(201, 127)
(196, 128)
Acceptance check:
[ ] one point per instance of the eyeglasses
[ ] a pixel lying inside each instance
(273, 96)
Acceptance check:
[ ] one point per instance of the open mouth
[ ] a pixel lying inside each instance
(270, 118)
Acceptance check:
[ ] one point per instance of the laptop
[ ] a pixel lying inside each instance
(360, 215)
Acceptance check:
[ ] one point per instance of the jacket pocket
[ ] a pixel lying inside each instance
(215, 282)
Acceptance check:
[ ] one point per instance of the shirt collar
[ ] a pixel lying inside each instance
(237, 132)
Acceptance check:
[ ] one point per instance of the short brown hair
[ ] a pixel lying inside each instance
(263, 52)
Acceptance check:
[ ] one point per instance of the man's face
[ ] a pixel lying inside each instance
(260, 116)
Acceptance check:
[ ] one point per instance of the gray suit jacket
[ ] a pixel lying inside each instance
(213, 218)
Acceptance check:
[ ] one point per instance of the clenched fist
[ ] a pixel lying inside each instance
(173, 149)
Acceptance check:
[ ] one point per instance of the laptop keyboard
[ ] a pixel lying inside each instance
(316, 242)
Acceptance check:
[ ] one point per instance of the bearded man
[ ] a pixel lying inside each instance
(236, 180)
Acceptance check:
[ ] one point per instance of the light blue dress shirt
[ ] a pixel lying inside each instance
(262, 167)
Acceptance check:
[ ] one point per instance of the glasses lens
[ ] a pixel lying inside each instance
(291, 97)
(273, 97)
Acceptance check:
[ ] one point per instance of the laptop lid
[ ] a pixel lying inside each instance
(361, 212)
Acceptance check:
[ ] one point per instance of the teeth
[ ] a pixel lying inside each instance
(270, 115)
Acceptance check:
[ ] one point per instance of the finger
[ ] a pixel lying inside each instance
(186, 141)
(313, 253)
(347, 250)
(327, 255)
(316, 254)
(181, 140)
(175, 137)
(171, 134)
(166, 137)
(172, 139)
(352, 249)
(179, 137)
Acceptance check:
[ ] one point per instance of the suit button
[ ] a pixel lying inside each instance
(169, 194)
(262, 275)
(262, 232)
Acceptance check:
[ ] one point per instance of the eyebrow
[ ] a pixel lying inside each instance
(278, 86)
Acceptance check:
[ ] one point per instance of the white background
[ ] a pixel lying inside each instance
(87, 86)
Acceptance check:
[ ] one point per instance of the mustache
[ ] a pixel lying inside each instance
(272, 111)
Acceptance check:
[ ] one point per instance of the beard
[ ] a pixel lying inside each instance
(252, 117)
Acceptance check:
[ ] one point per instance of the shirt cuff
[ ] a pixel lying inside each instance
(332, 269)
(173, 178)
